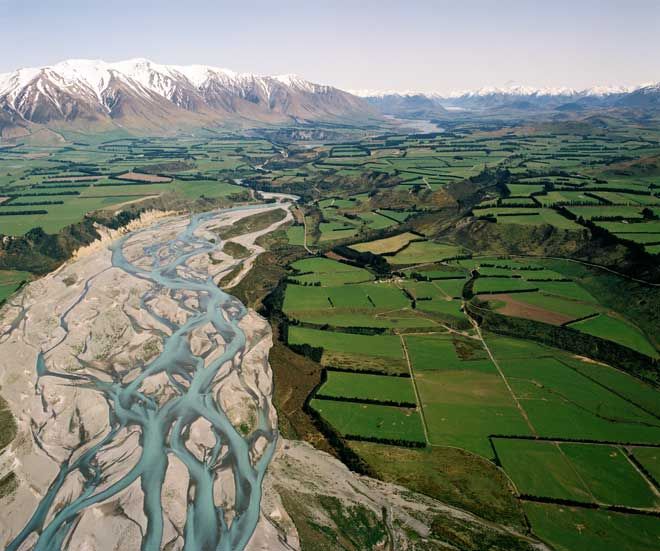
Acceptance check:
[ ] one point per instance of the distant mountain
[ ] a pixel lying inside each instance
(516, 98)
(403, 104)
(144, 96)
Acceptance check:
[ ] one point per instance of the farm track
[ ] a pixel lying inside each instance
(417, 396)
(499, 370)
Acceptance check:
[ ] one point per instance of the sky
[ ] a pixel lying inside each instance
(421, 45)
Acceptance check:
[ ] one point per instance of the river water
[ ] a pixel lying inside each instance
(418, 125)
(164, 425)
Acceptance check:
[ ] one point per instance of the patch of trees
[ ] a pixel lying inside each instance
(503, 214)
(403, 374)
(171, 166)
(58, 186)
(419, 277)
(587, 505)
(23, 212)
(640, 260)
(303, 283)
(314, 353)
(368, 260)
(508, 291)
(271, 306)
(392, 403)
(468, 288)
(13, 195)
(353, 329)
(556, 280)
(388, 441)
(31, 203)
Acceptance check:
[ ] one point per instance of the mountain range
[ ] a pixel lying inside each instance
(149, 98)
(515, 98)
(141, 95)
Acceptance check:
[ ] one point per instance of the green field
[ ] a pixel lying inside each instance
(541, 469)
(608, 211)
(10, 280)
(579, 472)
(371, 420)
(502, 285)
(650, 460)
(368, 387)
(376, 304)
(578, 529)
(464, 400)
(357, 296)
(388, 346)
(296, 235)
(328, 272)
(87, 199)
(561, 402)
(421, 252)
(618, 331)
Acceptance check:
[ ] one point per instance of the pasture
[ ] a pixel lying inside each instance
(10, 280)
(353, 419)
(588, 473)
(328, 272)
(576, 528)
(387, 346)
(421, 252)
(617, 330)
(355, 386)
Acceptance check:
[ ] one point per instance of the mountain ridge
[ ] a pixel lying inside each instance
(516, 97)
(141, 94)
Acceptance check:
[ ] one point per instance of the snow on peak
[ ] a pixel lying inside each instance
(509, 89)
(366, 93)
(143, 75)
(295, 81)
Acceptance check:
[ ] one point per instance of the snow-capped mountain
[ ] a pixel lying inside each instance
(515, 97)
(140, 94)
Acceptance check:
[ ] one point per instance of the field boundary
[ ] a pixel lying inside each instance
(417, 395)
(586, 505)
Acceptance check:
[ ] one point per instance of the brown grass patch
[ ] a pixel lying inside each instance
(148, 178)
(334, 256)
(451, 475)
(298, 215)
(518, 309)
(361, 362)
(387, 245)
